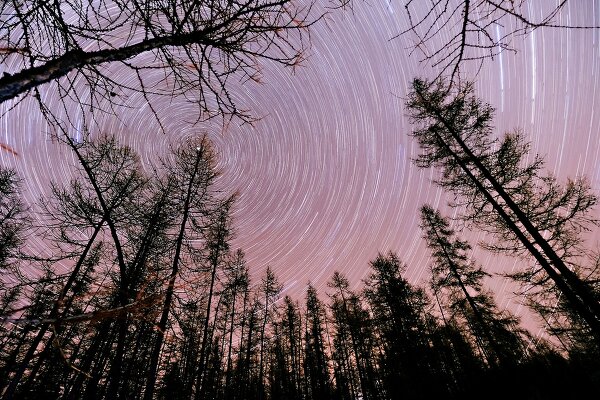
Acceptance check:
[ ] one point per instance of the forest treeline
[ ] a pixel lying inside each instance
(137, 293)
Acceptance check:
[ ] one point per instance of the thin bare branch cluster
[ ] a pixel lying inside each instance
(451, 34)
(192, 48)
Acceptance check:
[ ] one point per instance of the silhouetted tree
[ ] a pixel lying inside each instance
(316, 365)
(195, 48)
(16, 341)
(217, 244)
(103, 199)
(237, 291)
(496, 333)
(250, 386)
(461, 367)
(246, 347)
(285, 373)
(528, 212)
(129, 241)
(269, 292)
(408, 366)
(190, 320)
(189, 184)
(13, 219)
(354, 342)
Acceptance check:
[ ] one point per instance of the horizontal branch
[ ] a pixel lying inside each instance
(14, 85)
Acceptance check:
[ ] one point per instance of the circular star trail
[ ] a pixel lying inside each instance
(325, 176)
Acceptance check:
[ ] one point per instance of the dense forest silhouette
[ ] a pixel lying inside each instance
(140, 295)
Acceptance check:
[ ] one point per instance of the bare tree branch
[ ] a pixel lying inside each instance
(186, 48)
(466, 31)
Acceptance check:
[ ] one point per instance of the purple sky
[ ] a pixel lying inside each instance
(325, 177)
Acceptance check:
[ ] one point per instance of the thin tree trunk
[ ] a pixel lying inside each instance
(592, 314)
(162, 324)
(204, 344)
(54, 313)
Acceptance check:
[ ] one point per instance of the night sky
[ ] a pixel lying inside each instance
(325, 177)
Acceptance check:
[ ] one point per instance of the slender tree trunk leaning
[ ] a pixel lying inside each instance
(575, 291)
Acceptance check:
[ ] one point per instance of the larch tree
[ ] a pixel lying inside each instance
(460, 280)
(96, 207)
(497, 189)
(189, 184)
(13, 220)
(123, 243)
(285, 380)
(270, 288)
(399, 316)
(216, 236)
(13, 224)
(315, 364)
(354, 340)
(236, 291)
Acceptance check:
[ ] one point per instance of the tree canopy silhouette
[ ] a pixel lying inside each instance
(526, 210)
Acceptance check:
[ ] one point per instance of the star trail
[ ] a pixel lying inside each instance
(325, 175)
